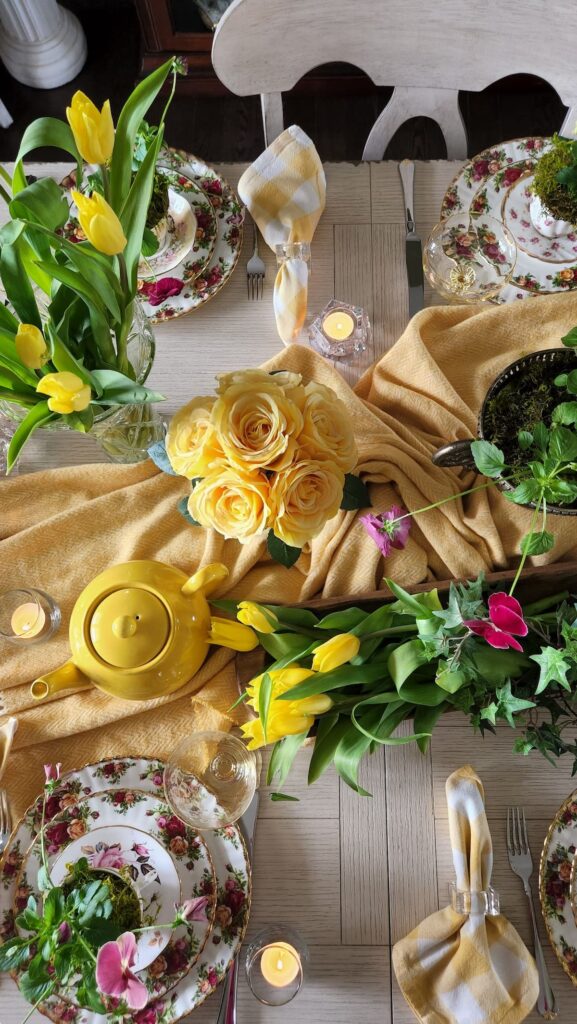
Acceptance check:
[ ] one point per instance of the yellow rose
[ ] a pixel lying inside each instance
(93, 129)
(284, 379)
(328, 430)
(255, 615)
(68, 393)
(306, 496)
(285, 717)
(236, 503)
(335, 652)
(100, 223)
(257, 426)
(30, 346)
(191, 443)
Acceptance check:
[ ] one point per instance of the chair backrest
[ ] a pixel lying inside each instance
(426, 49)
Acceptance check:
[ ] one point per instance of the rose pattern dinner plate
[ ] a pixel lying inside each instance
(555, 885)
(192, 283)
(483, 184)
(233, 888)
(192, 228)
(191, 865)
(516, 215)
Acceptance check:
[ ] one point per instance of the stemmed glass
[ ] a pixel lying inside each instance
(210, 779)
(469, 257)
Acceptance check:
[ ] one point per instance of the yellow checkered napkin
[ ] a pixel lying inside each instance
(467, 969)
(285, 192)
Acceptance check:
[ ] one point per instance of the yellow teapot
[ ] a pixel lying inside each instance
(141, 630)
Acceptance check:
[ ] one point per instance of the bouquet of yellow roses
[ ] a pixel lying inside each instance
(267, 456)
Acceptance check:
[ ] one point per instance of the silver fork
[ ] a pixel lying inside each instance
(255, 270)
(5, 820)
(522, 865)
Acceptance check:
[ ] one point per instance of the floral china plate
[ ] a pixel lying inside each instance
(515, 214)
(76, 831)
(233, 891)
(193, 281)
(555, 885)
(192, 228)
(481, 186)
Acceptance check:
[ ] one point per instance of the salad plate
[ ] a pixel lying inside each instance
(555, 885)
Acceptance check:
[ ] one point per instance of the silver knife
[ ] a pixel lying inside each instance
(413, 247)
(227, 1012)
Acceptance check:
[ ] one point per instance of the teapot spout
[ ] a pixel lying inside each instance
(207, 579)
(67, 677)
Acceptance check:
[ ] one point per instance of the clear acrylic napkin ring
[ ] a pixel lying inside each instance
(293, 251)
(465, 901)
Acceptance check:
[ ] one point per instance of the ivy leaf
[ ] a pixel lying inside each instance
(553, 668)
(537, 543)
(157, 453)
(566, 413)
(283, 553)
(570, 339)
(489, 713)
(355, 494)
(509, 705)
(449, 679)
(183, 509)
(525, 439)
(489, 459)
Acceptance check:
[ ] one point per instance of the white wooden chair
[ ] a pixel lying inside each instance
(426, 49)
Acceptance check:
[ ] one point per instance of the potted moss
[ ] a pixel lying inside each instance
(157, 216)
(554, 205)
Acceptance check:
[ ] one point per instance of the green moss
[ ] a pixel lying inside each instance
(126, 913)
(559, 199)
(158, 207)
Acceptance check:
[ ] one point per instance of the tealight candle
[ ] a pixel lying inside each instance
(280, 964)
(28, 620)
(338, 326)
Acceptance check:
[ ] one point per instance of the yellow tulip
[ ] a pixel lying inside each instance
(31, 346)
(93, 129)
(256, 616)
(68, 393)
(335, 652)
(285, 717)
(227, 633)
(100, 223)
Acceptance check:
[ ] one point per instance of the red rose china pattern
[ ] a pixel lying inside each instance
(482, 185)
(555, 887)
(515, 214)
(233, 885)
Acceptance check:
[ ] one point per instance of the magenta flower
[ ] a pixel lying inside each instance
(157, 291)
(192, 910)
(52, 772)
(504, 623)
(113, 974)
(64, 932)
(389, 529)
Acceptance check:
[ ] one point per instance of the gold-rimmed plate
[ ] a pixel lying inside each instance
(555, 870)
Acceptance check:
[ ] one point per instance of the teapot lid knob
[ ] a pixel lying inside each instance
(124, 626)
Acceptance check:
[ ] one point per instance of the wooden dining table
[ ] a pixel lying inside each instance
(352, 874)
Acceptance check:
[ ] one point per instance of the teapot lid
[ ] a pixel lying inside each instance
(129, 627)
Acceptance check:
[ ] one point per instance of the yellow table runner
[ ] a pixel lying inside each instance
(58, 529)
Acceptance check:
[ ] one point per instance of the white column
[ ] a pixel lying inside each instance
(41, 43)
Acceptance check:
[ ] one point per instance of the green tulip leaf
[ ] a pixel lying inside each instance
(424, 721)
(17, 285)
(405, 660)
(282, 757)
(264, 702)
(413, 604)
(45, 131)
(37, 417)
(43, 202)
(118, 389)
(343, 621)
(346, 675)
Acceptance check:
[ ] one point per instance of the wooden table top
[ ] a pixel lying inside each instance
(352, 874)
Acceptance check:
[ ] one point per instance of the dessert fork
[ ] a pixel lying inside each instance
(521, 864)
(255, 270)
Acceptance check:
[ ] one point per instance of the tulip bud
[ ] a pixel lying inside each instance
(261, 619)
(67, 392)
(52, 772)
(335, 652)
(93, 129)
(100, 223)
(31, 347)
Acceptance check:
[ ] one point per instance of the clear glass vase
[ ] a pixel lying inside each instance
(124, 432)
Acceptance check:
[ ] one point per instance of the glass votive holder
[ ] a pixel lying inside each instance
(275, 964)
(341, 331)
(293, 251)
(28, 616)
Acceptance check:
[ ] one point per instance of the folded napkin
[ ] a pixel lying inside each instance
(6, 736)
(90, 517)
(467, 968)
(285, 192)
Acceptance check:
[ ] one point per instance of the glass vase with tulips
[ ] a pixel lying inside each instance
(350, 678)
(64, 331)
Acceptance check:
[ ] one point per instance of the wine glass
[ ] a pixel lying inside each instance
(469, 257)
(210, 779)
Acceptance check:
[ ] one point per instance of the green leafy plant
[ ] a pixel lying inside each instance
(78, 296)
(555, 179)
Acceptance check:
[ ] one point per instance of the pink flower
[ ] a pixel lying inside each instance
(157, 291)
(192, 910)
(113, 974)
(505, 619)
(64, 932)
(110, 858)
(140, 850)
(389, 529)
(52, 772)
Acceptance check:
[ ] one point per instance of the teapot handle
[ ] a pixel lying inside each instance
(206, 579)
(458, 453)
